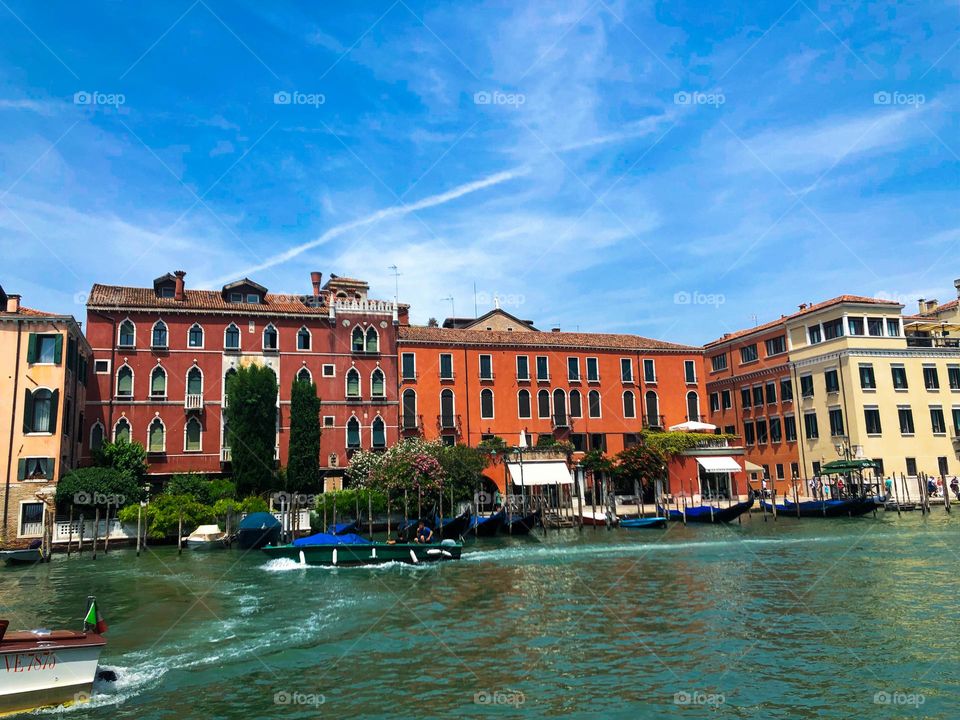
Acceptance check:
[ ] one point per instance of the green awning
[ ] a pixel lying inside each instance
(839, 467)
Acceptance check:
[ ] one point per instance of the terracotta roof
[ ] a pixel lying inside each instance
(536, 338)
(32, 313)
(334, 279)
(939, 309)
(145, 298)
(810, 309)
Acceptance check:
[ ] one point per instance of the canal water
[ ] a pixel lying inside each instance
(794, 619)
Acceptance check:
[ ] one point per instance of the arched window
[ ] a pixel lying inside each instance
(593, 403)
(194, 381)
(543, 404)
(124, 381)
(653, 409)
(303, 339)
(486, 404)
(559, 408)
(159, 337)
(353, 383)
(356, 339)
(629, 405)
(523, 404)
(377, 383)
(158, 382)
(447, 420)
(127, 334)
(576, 404)
(96, 436)
(195, 336)
(156, 437)
(373, 340)
(191, 435)
(40, 413)
(270, 341)
(379, 432)
(231, 337)
(693, 406)
(303, 375)
(122, 431)
(409, 409)
(353, 433)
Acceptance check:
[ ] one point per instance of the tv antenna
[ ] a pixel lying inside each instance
(396, 283)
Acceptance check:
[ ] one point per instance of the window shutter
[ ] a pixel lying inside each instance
(54, 406)
(58, 350)
(21, 469)
(27, 410)
(47, 465)
(32, 348)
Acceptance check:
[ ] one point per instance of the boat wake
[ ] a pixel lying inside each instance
(287, 565)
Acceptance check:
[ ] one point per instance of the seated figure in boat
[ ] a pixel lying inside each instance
(424, 534)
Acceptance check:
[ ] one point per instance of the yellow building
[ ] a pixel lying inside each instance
(879, 385)
(43, 367)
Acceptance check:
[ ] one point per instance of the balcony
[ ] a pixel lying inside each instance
(411, 423)
(193, 401)
(653, 422)
(561, 421)
(225, 455)
(448, 422)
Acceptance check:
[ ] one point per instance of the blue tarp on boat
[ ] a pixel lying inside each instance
(259, 521)
(344, 527)
(328, 539)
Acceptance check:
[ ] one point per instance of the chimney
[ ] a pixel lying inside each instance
(554, 329)
(803, 306)
(13, 303)
(178, 293)
(315, 278)
(956, 284)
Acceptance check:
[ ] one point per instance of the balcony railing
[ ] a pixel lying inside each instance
(411, 423)
(561, 421)
(486, 377)
(225, 455)
(193, 401)
(653, 422)
(448, 422)
(447, 376)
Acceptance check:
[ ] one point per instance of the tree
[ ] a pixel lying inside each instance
(303, 466)
(252, 423)
(129, 458)
(463, 467)
(639, 465)
(164, 512)
(200, 488)
(97, 487)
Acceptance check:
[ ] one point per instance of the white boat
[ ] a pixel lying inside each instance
(45, 668)
(596, 517)
(206, 537)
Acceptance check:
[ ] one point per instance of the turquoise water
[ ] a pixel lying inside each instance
(793, 619)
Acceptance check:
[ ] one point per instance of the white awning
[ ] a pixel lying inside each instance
(722, 463)
(542, 472)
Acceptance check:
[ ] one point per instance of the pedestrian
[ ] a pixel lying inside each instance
(955, 487)
(812, 483)
(840, 488)
(888, 484)
(763, 487)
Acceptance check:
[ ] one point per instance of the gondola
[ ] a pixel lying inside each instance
(344, 528)
(520, 524)
(488, 526)
(453, 528)
(851, 507)
(643, 522)
(711, 513)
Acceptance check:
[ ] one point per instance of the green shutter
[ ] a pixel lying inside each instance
(58, 350)
(54, 406)
(32, 348)
(21, 469)
(27, 410)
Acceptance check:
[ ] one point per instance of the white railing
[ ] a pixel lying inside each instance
(34, 529)
(118, 531)
(225, 455)
(193, 401)
(380, 306)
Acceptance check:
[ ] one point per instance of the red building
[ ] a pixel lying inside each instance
(162, 354)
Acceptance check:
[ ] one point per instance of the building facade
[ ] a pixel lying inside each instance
(43, 362)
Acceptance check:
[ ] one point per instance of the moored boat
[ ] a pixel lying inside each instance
(595, 518)
(344, 528)
(643, 522)
(521, 524)
(340, 550)
(453, 528)
(712, 513)
(488, 526)
(851, 507)
(206, 537)
(24, 556)
(258, 529)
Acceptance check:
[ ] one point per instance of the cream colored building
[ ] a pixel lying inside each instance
(43, 370)
(876, 383)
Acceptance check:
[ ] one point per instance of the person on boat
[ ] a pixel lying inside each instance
(931, 487)
(424, 534)
(840, 488)
(955, 487)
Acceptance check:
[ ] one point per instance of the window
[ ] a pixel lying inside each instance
(868, 380)
(353, 383)
(158, 382)
(806, 386)
(629, 405)
(790, 428)
(579, 441)
(356, 341)
(543, 404)
(931, 381)
(911, 466)
(761, 431)
(725, 400)
(776, 432)
(749, 437)
(576, 404)
(543, 368)
(194, 381)
(270, 338)
(745, 397)
(372, 340)
(757, 395)
(832, 381)
(253, 298)
(303, 339)
(127, 334)
(486, 367)
(771, 393)
(875, 327)
(719, 362)
(303, 375)
(836, 422)
(816, 468)
(714, 402)
(813, 332)
(377, 383)
(328, 370)
(486, 404)
(125, 382)
(833, 329)
(409, 410)
(786, 390)
(626, 370)
(956, 421)
(856, 325)
(379, 433)
(573, 369)
(779, 471)
(195, 336)
(794, 470)
(693, 406)
(122, 431)
(191, 435)
(893, 327)
(101, 367)
(748, 353)
(593, 403)
(408, 366)
(649, 370)
(560, 408)
(231, 337)
(96, 436)
(353, 434)
(44, 349)
(899, 373)
(159, 337)
(776, 346)
(598, 441)
(40, 410)
(447, 419)
(236, 297)
(652, 404)
(905, 414)
(156, 437)
(953, 376)
(446, 366)
(942, 468)
(689, 371)
(810, 426)
(937, 423)
(523, 367)
(523, 404)
(871, 418)
(593, 369)
(31, 519)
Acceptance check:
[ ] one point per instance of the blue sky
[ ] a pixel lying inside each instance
(674, 171)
